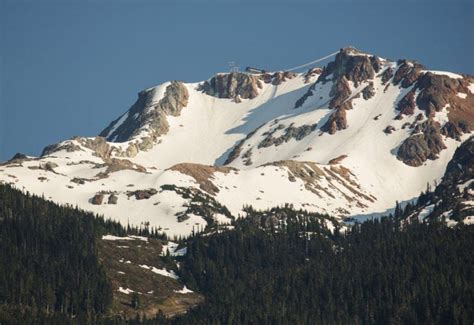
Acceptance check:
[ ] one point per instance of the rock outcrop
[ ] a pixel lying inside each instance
(337, 121)
(113, 199)
(97, 199)
(143, 194)
(146, 113)
(425, 143)
(291, 132)
(407, 104)
(349, 65)
(407, 73)
(202, 174)
(231, 85)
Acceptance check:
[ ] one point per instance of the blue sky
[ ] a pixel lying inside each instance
(70, 67)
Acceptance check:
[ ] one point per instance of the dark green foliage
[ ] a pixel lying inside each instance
(378, 273)
(277, 267)
(135, 300)
(49, 266)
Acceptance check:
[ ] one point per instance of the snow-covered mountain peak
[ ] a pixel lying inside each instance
(348, 139)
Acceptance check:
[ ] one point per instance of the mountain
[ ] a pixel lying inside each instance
(453, 199)
(348, 139)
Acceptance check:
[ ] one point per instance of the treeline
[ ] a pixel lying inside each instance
(377, 273)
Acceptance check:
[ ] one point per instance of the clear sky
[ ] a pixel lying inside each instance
(70, 67)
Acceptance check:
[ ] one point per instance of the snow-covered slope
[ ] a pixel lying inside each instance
(348, 139)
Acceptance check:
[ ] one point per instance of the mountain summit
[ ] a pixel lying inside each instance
(348, 139)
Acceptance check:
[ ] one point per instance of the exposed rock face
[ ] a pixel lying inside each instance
(143, 194)
(389, 129)
(115, 165)
(337, 160)
(407, 73)
(113, 199)
(460, 170)
(69, 147)
(337, 121)
(144, 116)
(356, 68)
(452, 130)
(235, 153)
(419, 147)
(349, 65)
(435, 92)
(369, 91)
(453, 197)
(387, 74)
(202, 174)
(291, 132)
(340, 92)
(303, 99)
(279, 77)
(311, 174)
(231, 85)
(145, 112)
(18, 158)
(311, 73)
(407, 104)
(97, 199)
(461, 166)
(438, 92)
(99, 145)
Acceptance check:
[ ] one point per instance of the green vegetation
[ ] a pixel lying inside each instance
(276, 267)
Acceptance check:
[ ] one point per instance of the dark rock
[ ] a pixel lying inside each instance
(97, 199)
(143, 194)
(280, 77)
(80, 181)
(369, 91)
(113, 199)
(452, 130)
(407, 73)
(140, 115)
(425, 143)
(389, 129)
(407, 104)
(68, 146)
(311, 73)
(19, 156)
(291, 132)
(376, 63)
(337, 121)
(229, 85)
(307, 94)
(340, 92)
(234, 154)
(50, 166)
(435, 92)
(353, 67)
(387, 75)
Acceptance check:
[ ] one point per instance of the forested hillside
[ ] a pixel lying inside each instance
(49, 267)
(378, 273)
(275, 267)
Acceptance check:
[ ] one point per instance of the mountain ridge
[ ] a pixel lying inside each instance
(280, 135)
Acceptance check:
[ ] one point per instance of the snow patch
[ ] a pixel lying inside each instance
(185, 290)
(164, 272)
(444, 73)
(125, 291)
